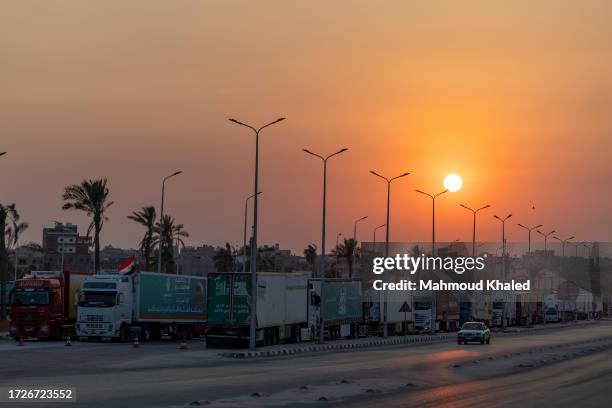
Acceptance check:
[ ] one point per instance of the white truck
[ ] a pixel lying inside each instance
(147, 305)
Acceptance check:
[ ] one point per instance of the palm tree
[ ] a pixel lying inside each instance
(10, 228)
(224, 258)
(146, 217)
(173, 234)
(348, 249)
(91, 196)
(310, 254)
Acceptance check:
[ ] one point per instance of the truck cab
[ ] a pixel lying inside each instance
(37, 305)
(105, 307)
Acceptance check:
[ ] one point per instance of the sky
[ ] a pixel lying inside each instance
(515, 98)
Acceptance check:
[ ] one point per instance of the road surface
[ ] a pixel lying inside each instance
(556, 367)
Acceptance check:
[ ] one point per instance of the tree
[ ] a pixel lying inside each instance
(348, 249)
(172, 234)
(310, 254)
(146, 217)
(91, 196)
(224, 258)
(10, 228)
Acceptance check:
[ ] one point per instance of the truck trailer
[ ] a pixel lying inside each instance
(282, 308)
(147, 305)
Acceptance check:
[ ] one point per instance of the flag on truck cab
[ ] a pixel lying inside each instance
(128, 266)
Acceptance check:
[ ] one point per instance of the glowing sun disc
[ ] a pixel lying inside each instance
(453, 183)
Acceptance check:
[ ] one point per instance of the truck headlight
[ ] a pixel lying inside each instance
(44, 328)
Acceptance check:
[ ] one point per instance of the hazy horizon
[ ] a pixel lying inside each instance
(514, 98)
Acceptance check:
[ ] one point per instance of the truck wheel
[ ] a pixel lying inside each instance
(124, 334)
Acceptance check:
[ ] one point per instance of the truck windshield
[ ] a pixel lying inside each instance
(97, 299)
(30, 298)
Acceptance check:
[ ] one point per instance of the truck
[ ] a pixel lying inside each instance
(43, 304)
(342, 308)
(282, 308)
(423, 306)
(143, 305)
(503, 309)
(552, 308)
(400, 312)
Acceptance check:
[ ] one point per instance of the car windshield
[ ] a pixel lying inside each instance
(30, 298)
(472, 326)
(97, 299)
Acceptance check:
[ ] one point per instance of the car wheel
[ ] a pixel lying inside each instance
(489, 340)
(482, 341)
(458, 341)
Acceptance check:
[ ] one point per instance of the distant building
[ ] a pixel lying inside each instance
(196, 261)
(29, 258)
(111, 258)
(64, 239)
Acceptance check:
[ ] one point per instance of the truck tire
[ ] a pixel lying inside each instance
(124, 333)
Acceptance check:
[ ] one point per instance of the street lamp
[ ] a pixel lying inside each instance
(563, 241)
(253, 322)
(474, 225)
(375, 229)
(388, 180)
(503, 221)
(2, 153)
(545, 237)
(529, 234)
(246, 205)
(355, 227)
(322, 264)
(161, 219)
(433, 218)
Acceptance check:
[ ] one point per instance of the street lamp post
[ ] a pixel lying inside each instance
(253, 297)
(322, 262)
(529, 234)
(503, 222)
(474, 211)
(388, 180)
(246, 205)
(161, 219)
(563, 242)
(589, 248)
(355, 227)
(375, 229)
(433, 217)
(545, 237)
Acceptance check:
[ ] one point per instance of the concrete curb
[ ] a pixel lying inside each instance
(374, 342)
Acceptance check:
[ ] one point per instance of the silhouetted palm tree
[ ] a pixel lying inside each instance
(224, 258)
(310, 254)
(91, 196)
(348, 249)
(146, 217)
(173, 234)
(10, 228)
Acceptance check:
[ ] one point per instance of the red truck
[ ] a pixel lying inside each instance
(43, 304)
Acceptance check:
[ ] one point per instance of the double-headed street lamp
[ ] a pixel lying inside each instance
(253, 297)
(433, 218)
(322, 262)
(246, 205)
(545, 237)
(563, 242)
(503, 222)
(529, 234)
(388, 180)
(474, 211)
(161, 219)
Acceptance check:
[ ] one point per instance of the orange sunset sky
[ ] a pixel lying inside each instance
(515, 97)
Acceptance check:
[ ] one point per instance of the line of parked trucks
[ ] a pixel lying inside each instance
(150, 306)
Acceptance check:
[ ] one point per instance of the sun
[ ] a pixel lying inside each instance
(453, 183)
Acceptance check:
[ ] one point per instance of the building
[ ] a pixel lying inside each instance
(62, 243)
(111, 258)
(196, 261)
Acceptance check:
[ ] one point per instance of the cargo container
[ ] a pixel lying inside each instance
(342, 308)
(282, 309)
(147, 305)
(43, 304)
(447, 311)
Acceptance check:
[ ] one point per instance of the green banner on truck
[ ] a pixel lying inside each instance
(228, 296)
(171, 297)
(342, 300)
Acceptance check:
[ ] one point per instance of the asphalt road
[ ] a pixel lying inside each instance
(557, 367)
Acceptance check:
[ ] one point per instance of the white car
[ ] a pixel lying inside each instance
(474, 331)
